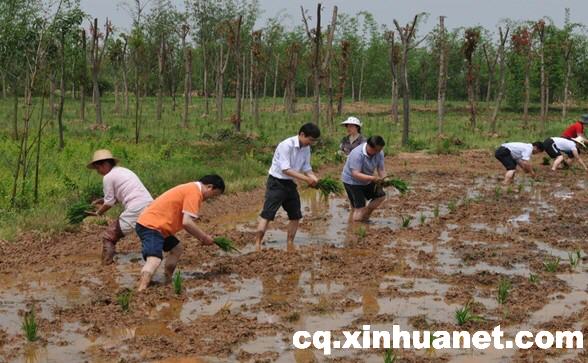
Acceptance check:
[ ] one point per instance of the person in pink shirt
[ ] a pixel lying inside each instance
(123, 186)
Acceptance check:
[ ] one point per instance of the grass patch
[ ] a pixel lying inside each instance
(29, 326)
(177, 282)
(503, 291)
(552, 265)
(124, 300)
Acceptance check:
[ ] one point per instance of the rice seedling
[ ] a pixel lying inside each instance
(124, 300)
(406, 221)
(422, 219)
(546, 161)
(503, 290)
(497, 192)
(77, 212)
(293, 317)
(436, 211)
(574, 258)
(177, 282)
(399, 184)
(389, 356)
(328, 186)
(452, 206)
(534, 279)
(225, 244)
(29, 326)
(361, 232)
(509, 190)
(520, 188)
(464, 315)
(552, 265)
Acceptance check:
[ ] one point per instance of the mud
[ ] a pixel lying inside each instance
(465, 236)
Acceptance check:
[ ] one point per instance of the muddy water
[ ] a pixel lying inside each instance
(414, 273)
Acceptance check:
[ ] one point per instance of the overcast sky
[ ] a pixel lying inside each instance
(487, 13)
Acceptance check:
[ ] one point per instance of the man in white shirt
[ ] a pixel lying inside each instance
(123, 186)
(512, 154)
(557, 147)
(291, 162)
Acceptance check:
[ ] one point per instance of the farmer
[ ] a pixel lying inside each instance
(291, 162)
(123, 186)
(354, 137)
(362, 171)
(171, 212)
(576, 129)
(512, 154)
(556, 147)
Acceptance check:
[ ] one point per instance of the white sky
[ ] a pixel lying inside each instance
(487, 13)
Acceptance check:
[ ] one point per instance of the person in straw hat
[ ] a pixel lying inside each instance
(123, 186)
(576, 129)
(354, 137)
(557, 147)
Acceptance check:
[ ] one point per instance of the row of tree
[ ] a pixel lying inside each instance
(214, 49)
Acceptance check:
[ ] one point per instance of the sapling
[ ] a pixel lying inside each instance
(574, 258)
(422, 219)
(465, 315)
(520, 187)
(451, 206)
(546, 160)
(497, 192)
(177, 282)
(533, 278)
(406, 221)
(552, 265)
(503, 290)
(361, 232)
(29, 326)
(124, 300)
(389, 356)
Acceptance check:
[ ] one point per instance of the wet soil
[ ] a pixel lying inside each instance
(465, 235)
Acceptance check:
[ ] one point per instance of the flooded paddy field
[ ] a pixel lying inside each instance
(446, 244)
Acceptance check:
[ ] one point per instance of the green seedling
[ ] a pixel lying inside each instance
(552, 265)
(225, 244)
(328, 185)
(124, 300)
(77, 212)
(520, 188)
(509, 190)
(406, 221)
(422, 219)
(497, 192)
(29, 326)
(533, 278)
(389, 356)
(574, 258)
(503, 290)
(436, 212)
(546, 161)
(177, 282)
(399, 184)
(451, 206)
(361, 232)
(464, 315)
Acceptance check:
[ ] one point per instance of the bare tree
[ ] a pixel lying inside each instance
(220, 74)
(258, 60)
(472, 37)
(96, 55)
(277, 65)
(540, 31)
(184, 29)
(407, 35)
(393, 61)
(501, 74)
(290, 80)
(83, 76)
(238, 94)
(161, 51)
(343, 74)
(442, 81)
(568, 48)
(491, 65)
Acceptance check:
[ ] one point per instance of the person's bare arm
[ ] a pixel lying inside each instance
(300, 176)
(191, 227)
(527, 167)
(356, 174)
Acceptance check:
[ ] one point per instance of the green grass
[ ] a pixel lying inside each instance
(177, 282)
(169, 154)
(552, 265)
(124, 300)
(389, 356)
(29, 326)
(503, 291)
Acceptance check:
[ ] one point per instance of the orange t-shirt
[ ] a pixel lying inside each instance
(166, 212)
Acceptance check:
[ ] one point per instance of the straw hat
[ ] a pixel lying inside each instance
(584, 119)
(100, 155)
(352, 121)
(580, 140)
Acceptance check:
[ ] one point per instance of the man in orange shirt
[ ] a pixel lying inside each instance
(173, 211)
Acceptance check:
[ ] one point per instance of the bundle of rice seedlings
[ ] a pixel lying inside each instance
(225, 244)
(399, 184)
(77, 212)
(328, 186)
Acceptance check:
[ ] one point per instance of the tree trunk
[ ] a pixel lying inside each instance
(96, 90)
(405, 97)
(52, 88)
(543, 92)
(501, 77)
(361, 71)
(62, 93)
(219, 86)
(442, 82)
(15, 108)
(315, 39)
(83, 78)
(38, 156)
(471, 95)
(126, 91)
(205, 81)
(4, 93)
(160, 80)
(239, 74)
(264, 84)
(116, 97)
(564, 110)
(527, 90)
(187, 83)
(276, 82)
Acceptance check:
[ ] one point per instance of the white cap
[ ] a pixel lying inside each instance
(352, 121)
